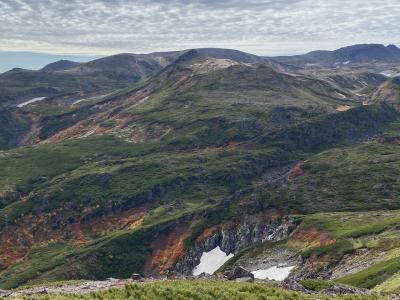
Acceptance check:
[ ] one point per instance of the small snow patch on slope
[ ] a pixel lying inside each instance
(211, 261)
(341, 95)
(390, 73)
(31, 101)
(274, 273)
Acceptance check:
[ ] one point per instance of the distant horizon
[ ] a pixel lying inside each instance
(32, 60)
(36, 60)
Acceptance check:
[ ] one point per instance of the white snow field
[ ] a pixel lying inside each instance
(211, 261)
(30, 101)
(274, 273)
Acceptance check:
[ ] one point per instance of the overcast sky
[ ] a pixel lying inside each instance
(268, 27)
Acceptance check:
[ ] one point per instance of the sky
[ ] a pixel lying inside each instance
(264, 27)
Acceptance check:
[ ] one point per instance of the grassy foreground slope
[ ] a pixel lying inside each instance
(199, 290)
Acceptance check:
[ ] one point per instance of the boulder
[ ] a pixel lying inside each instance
(293, 285)
(136, 276)
(238, 272)
(4, 293)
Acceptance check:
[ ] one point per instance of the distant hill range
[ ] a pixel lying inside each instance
(117, 71)
(100, 75)
(363, 53)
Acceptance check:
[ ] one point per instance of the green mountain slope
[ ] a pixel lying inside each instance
(98, 76)
(134, 181)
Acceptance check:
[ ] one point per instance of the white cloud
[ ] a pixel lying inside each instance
(258, 26)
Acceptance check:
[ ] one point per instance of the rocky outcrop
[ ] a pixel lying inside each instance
(274, 256)
(344, 289)
(238, 272)
(4, 293)
(293, 285)
(136, 276)
(75, 289)
(351, 263)
(332, 290)
(234, 236)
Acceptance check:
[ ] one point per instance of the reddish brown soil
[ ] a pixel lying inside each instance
(34, 231)
(312, 238)
(167, 249)
(208, 232)
(296, 171)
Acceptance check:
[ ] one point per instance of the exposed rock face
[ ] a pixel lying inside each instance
(275, 256)
(350, 263)
(355, 262)
(332, 290)
(233, 237)
(80, 288)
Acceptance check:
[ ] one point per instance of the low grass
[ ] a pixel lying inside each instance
(12, 127)
(101, 258)
(316, 285)
(374, 275)
(47, 161)
(40, 260)
(390, 286)
(352, 224)
(349, 177)
(197, 290)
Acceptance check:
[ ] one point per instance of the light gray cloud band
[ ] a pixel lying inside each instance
(261, 27)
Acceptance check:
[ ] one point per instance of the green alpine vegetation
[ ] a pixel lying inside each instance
(199, 290)
(140, 163)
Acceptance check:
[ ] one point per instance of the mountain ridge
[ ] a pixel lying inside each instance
(354, 54)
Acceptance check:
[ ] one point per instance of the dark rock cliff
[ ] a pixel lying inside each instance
(232, 238)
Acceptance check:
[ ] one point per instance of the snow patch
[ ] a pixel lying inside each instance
(211, 261)
(89, 133)
(386, 73)
(342, 108)
(341, 95)
(275, 273)
(347, 62)
(31, 101)
(89, 99)
(389, 73)
(80, 100)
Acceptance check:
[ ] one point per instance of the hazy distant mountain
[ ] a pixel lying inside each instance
(356, 54)
(60, 65)
(100, 75)
(36, 61)
(97, 76)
